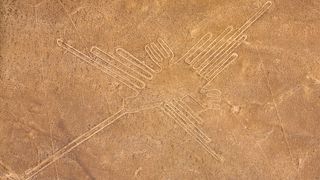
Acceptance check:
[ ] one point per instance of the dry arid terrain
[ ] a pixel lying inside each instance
(163, 89)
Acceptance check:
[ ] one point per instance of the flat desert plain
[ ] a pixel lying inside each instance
(168, 90)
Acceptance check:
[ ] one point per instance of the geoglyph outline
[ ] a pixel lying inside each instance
(134, 73)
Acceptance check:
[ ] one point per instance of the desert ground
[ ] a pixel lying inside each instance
(168, 90)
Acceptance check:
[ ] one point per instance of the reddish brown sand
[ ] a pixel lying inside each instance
(115, 89)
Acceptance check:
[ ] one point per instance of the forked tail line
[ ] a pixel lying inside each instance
(188, 120)
(170, 111)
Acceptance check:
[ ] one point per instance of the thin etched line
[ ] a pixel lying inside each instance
(152, 54)
(214, 94)
(8, 173)
(97, 63)
(223, 66)
(200, 57)
(215, 67)
(159, 53)
(138, 66)
(162, 52)
(156, 52)
(73, 144)
(124, 71)
(168, 51)
(168, 110)
(203, 40)
(156, 68)
(195, 130)
(188, 117)
(177, 117)
(192, 113)
(199, 45)
(220, 56)
(220, 50)
(253, 18)
(180, 121)
(250, 21)
(72, 22)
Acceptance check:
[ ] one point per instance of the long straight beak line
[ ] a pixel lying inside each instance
(202, 42)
